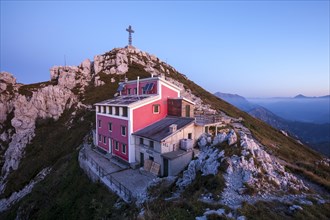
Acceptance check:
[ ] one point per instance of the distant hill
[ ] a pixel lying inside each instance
(300, 96)
(314, 135)
(300, 108)
(236, 100)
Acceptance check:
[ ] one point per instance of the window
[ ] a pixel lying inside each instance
(104, 140)
(110, 110)
(141, 141)
(104, 111)
(99, 123)
(117, 110)
(151, 144)
(151, 158)
(155, 109)
(123, 130)
(125, 111)
(189, 135)
(135, 90)
(110, 126)
(128, 91)
(117, 145)
(100, 137)
(123, 149)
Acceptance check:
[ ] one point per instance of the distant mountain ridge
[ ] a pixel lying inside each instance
(315, 135)
(300, 96)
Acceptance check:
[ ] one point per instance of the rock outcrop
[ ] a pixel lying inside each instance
(46, 102)
(207, 163)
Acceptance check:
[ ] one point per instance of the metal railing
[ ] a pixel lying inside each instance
(102, 174)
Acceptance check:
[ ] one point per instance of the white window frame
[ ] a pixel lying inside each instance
(124, 146)
(99, 123)
(110, 126)
(121, 131)
(153, 109)
(116, 145)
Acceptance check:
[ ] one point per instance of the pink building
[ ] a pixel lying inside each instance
(124, 123)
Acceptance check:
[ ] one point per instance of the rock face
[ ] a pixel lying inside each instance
(71, 76)
(7, 88)
(48, 102)
(207, 162)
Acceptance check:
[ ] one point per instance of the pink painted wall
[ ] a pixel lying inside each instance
(141, 85)
(144, 115)
(115, 134)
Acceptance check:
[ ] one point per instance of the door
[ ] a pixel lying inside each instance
(165, 162)
(110, 145)
(141, 159)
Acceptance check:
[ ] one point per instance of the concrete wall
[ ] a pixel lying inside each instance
(178, 164)
(173, 142)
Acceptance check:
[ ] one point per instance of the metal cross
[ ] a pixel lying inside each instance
(130, 31)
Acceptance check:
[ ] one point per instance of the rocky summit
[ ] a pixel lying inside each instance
(243, 169)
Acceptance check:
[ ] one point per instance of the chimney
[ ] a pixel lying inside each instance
(137, 85)
(173, 128)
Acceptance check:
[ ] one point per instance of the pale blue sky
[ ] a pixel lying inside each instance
(252, 48)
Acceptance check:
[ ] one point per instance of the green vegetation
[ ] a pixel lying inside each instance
(277, 210)
(68, 194)
(27, 90)
(53, 140)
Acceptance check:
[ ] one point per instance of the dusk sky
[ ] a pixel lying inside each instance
(250, 48)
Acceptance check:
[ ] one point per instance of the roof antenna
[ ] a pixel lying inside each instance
(65, 63)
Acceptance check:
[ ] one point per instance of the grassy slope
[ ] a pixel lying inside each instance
(299, 158)
(66, 192)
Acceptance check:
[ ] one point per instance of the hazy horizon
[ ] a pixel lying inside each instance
(256, 49)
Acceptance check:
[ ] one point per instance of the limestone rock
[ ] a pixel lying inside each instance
(47, 102)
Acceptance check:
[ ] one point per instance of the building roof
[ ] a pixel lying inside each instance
(160, 130)
(124, 100)
(175, 154)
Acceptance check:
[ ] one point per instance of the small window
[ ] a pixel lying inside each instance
(103, 107)
(135, 90)
(141, 141)
(155, 109)
(110, 110)
(117, 111)
(117, 145)
(100, 138)
(125, 111)
(151, 144)
(128, 91)
(99, 123)
(123, 130)
(110, 126)
(189, 135)
(124, 148)
(104, 140)
(151, 158)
